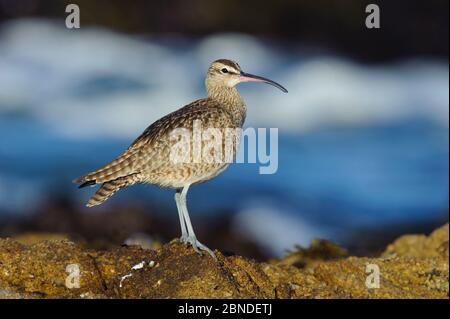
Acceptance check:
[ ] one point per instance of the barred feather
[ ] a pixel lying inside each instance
(110, 188)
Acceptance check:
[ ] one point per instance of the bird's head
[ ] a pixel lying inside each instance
(227, 73)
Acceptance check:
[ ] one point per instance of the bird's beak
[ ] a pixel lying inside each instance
(246, 77)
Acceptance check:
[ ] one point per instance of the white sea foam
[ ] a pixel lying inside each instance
(47, 69)
(275, 228)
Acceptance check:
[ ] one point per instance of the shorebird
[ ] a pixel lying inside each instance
(147, 159)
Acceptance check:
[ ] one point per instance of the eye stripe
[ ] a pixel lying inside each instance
(229, 70)
(218, 69)
(228, 63)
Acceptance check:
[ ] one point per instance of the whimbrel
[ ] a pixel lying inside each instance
(147, 160)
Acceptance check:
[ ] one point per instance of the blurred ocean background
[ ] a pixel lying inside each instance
(361, 146)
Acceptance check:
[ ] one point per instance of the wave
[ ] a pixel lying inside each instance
(93, 82)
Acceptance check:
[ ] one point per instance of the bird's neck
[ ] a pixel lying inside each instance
(231, 100)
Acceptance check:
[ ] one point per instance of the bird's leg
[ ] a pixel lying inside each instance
(184, 233)
(192, 239)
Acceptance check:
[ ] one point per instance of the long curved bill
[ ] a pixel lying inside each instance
(247, 77)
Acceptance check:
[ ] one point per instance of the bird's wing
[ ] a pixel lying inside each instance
(160, 137)
(152, 147)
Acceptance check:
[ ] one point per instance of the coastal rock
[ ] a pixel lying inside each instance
(435, 245)
(414, 266)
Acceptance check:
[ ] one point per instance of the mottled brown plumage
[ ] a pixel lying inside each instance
(147, 159)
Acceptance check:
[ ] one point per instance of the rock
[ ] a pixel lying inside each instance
(40, 269)
(142, 240)
(30, 238)
(435, 245)
(63, 269)
(320, 250)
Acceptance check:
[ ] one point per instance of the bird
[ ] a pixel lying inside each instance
(147, 159)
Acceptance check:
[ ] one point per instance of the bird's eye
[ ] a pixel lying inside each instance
(224, 70)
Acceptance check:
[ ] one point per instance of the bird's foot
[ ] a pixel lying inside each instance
(184, 239)
(198, 246)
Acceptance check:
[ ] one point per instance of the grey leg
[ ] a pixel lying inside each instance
(184, 233)
(192, 239)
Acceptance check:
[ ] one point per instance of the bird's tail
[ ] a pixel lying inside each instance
(108, 189)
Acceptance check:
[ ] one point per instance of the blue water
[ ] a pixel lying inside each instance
(333, 176)
(359, 146)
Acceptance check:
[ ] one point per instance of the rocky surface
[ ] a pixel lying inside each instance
(414, 266)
